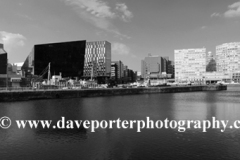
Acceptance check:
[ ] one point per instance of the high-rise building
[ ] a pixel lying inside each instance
(125, 71)
(169, 66)
(3, 66)
(153, 65)
(120, 71)
(66, 58)
(128, 75)
(3, 60)
(144, 69)
(228, 57)
(190, 64)
(131, 76)
(114, 71)
(98, 60)
(171, 69)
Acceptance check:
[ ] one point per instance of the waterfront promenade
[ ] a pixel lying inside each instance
(77, 93)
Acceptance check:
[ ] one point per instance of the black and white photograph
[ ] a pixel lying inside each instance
(119, 80)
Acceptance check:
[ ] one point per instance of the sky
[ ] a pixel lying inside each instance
(135, 28)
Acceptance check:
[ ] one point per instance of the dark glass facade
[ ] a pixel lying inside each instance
(114, 71)
(66, 58)
(3, 62)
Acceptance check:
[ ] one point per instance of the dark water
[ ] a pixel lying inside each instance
(125, 143)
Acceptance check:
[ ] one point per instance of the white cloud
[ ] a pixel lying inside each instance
(216, 15)
(119, 48)
(204, 27)
(234, 10)
(11, 40)
(24, 16)
(100, 14)
(127, 15)
(95, 7)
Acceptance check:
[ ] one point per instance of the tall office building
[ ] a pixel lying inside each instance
(153, 65)
(3, 66)
(3, 60)
(190, 64)
(98, 60)
(66, 58)
(120, 71)
(228, 57)
(144, 70)
(114, 71)
(169, 67)
(125, 71)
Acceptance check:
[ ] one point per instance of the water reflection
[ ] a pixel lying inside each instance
(124, 143)
(190, 106)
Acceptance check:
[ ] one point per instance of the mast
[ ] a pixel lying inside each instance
(49, 66)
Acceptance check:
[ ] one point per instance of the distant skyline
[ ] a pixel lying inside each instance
(135, 28)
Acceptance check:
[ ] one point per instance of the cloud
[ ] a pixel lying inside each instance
(120, 49)
(25, 16)
(234, 10)
(204, 27)
(95, 7)
(216, 15)
(11, 40)
(127, 15)
(100, 14)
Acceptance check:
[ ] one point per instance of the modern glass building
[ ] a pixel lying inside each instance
(98, 61)
(3, 60)
(3, 66)
(66, 58)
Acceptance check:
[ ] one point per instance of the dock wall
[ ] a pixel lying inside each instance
(59, 94)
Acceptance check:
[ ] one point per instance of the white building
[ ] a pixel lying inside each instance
(228, 57)
(190, 64)
(214, 77)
